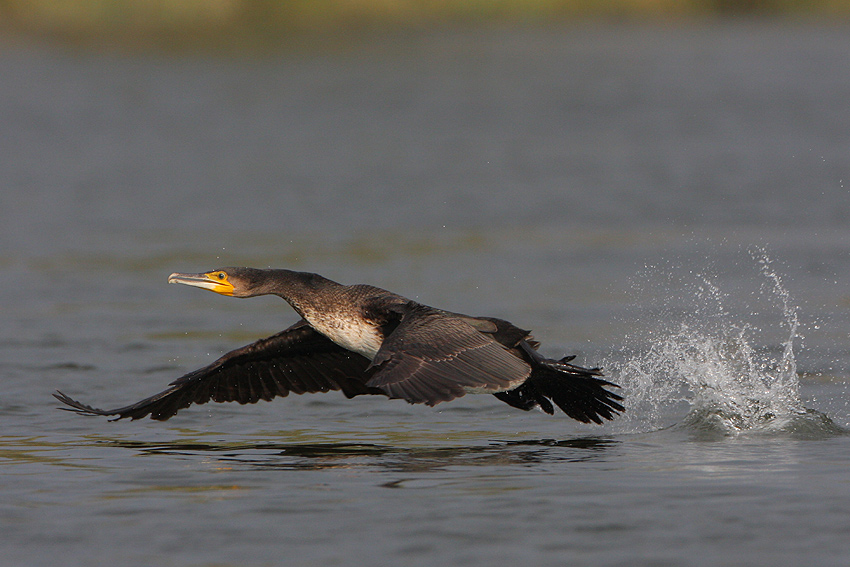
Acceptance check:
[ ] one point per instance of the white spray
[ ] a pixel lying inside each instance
(704, 365)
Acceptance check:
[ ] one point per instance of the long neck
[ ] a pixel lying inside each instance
(302, 290)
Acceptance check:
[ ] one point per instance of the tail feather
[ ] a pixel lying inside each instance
(578, 392)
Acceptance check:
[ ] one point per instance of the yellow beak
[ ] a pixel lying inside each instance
(213, 281)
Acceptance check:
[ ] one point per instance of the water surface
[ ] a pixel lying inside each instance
(667, 202)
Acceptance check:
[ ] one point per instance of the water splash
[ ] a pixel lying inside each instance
(714, 369)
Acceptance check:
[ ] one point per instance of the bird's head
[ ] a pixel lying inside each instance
(234, 282)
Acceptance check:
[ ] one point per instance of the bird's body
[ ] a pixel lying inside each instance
(361, 339)
(351, 325)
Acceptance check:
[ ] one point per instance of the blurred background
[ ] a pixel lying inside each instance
(658, 186)
(530, 157)
(259, 24)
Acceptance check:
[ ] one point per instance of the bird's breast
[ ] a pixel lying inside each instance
(356, 335)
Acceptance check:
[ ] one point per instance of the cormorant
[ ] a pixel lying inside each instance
(362, 339)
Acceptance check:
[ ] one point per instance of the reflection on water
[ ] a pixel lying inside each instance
(320, 456)
(17, 451)
(303, 456)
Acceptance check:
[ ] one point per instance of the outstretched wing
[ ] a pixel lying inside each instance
(297, 360)
(433, 356)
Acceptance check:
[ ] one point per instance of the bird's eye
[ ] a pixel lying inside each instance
(221, 275)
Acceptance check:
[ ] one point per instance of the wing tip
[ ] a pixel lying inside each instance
(81, 408)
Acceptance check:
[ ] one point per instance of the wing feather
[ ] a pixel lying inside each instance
(297, 360)
(434, 356)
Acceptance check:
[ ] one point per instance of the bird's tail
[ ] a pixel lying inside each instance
(581, 393)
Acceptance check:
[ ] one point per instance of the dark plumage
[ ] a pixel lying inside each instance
(362, 339)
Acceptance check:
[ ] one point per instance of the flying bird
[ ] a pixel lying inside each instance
(361, 339)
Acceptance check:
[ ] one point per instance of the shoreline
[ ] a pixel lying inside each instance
(240, 25)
